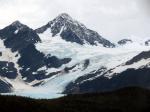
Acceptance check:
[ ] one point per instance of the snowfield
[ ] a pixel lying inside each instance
(98, 57)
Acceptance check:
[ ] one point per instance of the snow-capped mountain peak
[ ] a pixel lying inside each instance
(16, 23)
(73, 31)
(66, 19)
(125, 41)
(65, 16)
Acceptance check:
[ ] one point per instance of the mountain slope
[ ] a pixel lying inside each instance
(134, 72)
(18, 36)
(65, 56)
(20, 60)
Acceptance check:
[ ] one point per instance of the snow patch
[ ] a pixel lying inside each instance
(16, 31)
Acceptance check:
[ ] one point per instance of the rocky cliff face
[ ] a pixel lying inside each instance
(73, 31)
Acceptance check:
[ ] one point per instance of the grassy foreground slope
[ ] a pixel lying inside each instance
(123, 100)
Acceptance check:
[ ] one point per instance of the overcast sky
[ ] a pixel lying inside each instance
(113, 19)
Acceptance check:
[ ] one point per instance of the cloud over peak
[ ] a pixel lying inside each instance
(112, 18)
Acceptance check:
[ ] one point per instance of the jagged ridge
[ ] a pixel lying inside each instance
(73, 31)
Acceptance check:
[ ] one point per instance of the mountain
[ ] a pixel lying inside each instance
(147, 43)
(134, 40)
(124, 41)
(18, 36)
(64, 56)
(19, 57)
(73, 31)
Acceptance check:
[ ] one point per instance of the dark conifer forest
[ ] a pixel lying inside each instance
(124, 100)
